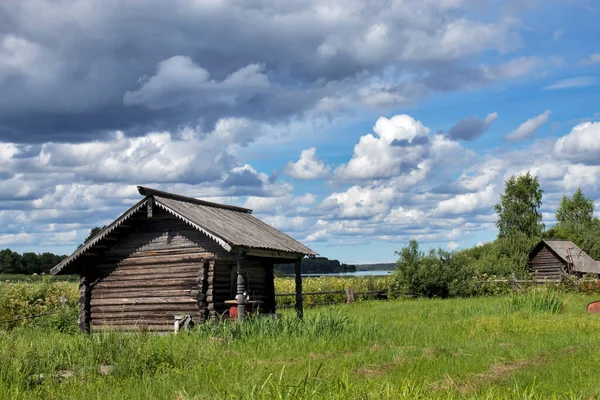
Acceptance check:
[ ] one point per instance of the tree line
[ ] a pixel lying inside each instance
(11, 262)
(444, 273)
(317, 265)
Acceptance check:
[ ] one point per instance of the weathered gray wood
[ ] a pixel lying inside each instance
(84, 302)
(175, 307)
(148, 277)
(298, 281)
(155, 283)
(133, 327)
(149, 206)
(153, 269)
(271, 254)
(107, 293)
(349, 296)
(142, 300)
(169, 314)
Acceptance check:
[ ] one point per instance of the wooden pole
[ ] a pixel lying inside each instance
(241, 289)
(84, 303)
(298, 272)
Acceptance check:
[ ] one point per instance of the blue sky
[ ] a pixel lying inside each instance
(351, 126)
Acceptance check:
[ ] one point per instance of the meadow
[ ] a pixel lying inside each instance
(535, 345)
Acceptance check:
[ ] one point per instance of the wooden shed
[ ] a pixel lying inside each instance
(551, 259)
(171, 255)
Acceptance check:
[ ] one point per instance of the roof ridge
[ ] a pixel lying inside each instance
(145, 191)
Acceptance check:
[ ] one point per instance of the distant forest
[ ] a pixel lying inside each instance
(318, 265)
(12, 262)
(376, 267)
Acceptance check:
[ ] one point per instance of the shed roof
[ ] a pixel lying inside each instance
(234, 228)
(581, 261)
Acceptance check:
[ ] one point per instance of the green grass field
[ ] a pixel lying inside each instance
(488, 348)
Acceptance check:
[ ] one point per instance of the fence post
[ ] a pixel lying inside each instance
(516, 286)
(298, 280)
(349, 296)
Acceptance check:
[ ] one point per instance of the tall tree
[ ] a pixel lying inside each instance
(576, 209)
(518, 209)
(93, 233)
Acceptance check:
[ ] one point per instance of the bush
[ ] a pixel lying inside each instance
(19, 301)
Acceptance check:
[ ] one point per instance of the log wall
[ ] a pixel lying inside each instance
(156, 270)
(547, 266)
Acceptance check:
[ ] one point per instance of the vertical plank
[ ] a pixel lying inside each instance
(270, 289)
(202, 289)
(84, 302)
(298, 272)
(241, 288)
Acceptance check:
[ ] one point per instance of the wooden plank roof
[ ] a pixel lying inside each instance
(232, 227)
(582, 262)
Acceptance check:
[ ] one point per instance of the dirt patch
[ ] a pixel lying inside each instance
(496, 373)
(374, 370)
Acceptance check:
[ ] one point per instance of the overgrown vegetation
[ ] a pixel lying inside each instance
(468, 272)
(401, 349)
(388, 284)
(54, 304)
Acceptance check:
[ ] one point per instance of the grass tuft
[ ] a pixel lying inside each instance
(538, 300)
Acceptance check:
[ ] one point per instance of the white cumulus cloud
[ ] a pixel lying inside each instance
(307, 167)
(528, 128)
(582, 144)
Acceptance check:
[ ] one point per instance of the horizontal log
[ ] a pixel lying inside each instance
(108, 293)
(157, 283)
(150, 269)
(150, 277)
(164, 259)
(137, 328)
(142, 300)
(141, 314)
(184, 307)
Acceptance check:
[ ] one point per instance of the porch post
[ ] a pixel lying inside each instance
(298, 272)
(84, 302)
(241, 289)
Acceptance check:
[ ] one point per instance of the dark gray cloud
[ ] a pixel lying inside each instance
(95, 66)
(416, 141)
(471, 128)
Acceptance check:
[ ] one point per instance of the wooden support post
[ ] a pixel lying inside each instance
(84, 303)
(349, 296)
(298, 272)
(149, 206)
(241, 290)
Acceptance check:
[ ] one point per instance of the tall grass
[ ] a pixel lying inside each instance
(404, 349)
(537, 300)
(322, 323)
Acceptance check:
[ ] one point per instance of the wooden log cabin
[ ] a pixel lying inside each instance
(551, 259)
(171, 255)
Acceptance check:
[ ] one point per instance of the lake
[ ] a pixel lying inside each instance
(357, 273)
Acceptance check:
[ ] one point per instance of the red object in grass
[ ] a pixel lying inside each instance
(233, 311)
(593, 307)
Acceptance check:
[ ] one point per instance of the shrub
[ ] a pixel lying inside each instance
(19, 301)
